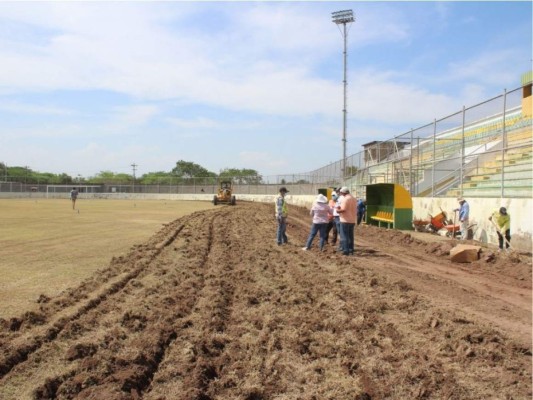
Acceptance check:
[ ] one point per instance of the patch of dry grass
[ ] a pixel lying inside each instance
(46, 247)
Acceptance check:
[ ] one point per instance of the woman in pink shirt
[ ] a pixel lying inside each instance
(320, 212)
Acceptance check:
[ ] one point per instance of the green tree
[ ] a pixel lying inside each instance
(157, 178)
(241, 176)
(110, 178)
(188, 171)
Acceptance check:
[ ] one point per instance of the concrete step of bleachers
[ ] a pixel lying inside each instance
(516, 155)
(497, 182)
(523, 135)
(518, 192)
(517, 174)
(495, 164)
(512, 168)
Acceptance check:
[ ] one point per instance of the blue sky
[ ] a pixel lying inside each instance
(93, 86)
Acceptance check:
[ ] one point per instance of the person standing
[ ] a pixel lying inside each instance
(73, 197)
(361, 210)
(464, 215)
(333, 219)
(281, 216)
(320, 211)
(347, 212)
(502, 221)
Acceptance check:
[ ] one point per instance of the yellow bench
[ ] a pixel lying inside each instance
(383, 216)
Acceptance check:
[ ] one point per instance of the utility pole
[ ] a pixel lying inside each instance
(134, 166)
(342, 18)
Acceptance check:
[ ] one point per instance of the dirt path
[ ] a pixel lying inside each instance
(211, 308)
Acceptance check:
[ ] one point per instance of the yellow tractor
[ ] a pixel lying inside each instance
(225, 194)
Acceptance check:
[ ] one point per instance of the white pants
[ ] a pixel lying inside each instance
(464, 229)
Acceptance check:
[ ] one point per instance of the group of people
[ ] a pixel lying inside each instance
(338, 215)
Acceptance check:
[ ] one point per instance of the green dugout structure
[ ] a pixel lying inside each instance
(390, 204)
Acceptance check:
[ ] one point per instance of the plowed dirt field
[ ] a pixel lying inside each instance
(211, 308)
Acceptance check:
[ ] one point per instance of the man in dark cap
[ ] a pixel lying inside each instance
(281, 216)
(502, 221)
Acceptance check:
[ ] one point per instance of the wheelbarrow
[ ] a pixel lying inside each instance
(454, 230)
(437, 222)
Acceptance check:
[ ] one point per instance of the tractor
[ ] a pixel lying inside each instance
(225, 194)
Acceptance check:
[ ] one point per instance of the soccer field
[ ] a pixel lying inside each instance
(46, 246)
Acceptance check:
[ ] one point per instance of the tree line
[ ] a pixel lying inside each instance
(185, 172)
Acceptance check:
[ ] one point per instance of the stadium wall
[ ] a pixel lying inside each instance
(480, 210)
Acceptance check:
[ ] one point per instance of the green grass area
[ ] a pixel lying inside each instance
(47, 247)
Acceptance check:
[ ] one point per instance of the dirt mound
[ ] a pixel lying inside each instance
(211, 308)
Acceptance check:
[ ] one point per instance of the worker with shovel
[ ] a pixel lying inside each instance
(464, 216)
(502, 222)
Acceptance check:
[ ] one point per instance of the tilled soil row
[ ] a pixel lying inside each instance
(211, 308)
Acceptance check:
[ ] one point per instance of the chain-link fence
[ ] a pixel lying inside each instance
(483, 151)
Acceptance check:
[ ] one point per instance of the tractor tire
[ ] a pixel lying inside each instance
(233, 201)
(215, 200)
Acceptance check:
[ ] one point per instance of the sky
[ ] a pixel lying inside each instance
(87, 87)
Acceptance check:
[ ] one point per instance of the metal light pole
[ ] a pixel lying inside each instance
(342, 18)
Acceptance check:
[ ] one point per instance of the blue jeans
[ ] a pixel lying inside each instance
(315, 228)
(282, 227)
(347, 240)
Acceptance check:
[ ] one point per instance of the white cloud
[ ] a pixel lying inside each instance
(16, 107)
(261, 161)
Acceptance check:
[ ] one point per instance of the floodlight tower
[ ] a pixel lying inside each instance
(342, 18)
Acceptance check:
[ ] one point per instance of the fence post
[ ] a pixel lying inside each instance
(434, 158)
(462, 153)
(411, 166)
(504, 141)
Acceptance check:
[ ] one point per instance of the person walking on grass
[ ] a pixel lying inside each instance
(320, 211)
(281, 216)
(502, 222)
(73, 197)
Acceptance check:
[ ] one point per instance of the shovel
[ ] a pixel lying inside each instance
(504, 238)
(453, 229)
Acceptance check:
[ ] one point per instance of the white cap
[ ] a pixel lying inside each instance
(321, 199)
(344, 189)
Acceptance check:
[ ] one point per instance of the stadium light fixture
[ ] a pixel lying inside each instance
(342, 18)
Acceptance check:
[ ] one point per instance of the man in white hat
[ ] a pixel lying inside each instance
(348, 215)
(464, 215)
